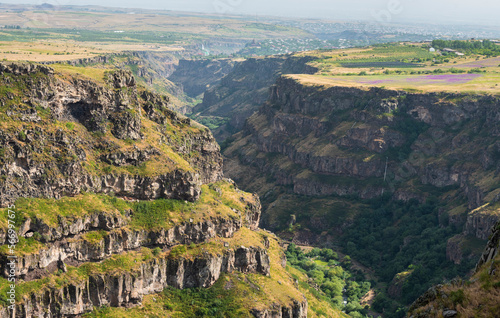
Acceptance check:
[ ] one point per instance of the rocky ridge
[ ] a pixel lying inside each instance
(117, 197)
(126, 289)
(96, 118)
(347, 141)
(243, 90)
(196, 76)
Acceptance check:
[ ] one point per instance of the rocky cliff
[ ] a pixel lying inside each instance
(245, 88)
(113, 197)
(366, 142)
(128, 288)
(67, 135)
(197, 76)
(106, 251)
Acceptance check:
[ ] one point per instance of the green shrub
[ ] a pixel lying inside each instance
(457, 297)
(156, 251)
(21, 135)
(178, 251)
(70, 125)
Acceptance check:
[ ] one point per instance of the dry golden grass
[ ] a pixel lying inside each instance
(61, 50)
(45, 51)
(487, 84)
(487, 209)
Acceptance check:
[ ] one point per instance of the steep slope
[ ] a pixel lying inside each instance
(344, 141)
(196, 76)
(244, 89)
(351, 166)
(109, 196)
(476, 297)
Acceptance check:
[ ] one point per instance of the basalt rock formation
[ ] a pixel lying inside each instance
(152, 276)
(95, 124)
(108, 196)
(245, 88)
(196, 76)
(344, 141)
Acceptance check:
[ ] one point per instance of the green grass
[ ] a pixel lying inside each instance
(154, 214)
(25, 246)
(51, 210)
(222, 300)
(95, 237)
(178, 251)
(216, 301)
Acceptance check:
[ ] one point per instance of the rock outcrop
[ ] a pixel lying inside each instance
(39, 161)
(128, 288)
(79, 250)
(241, 92)
(196, 76)
(297, 310)
(491, 250)
(481, 220)
(346, 141)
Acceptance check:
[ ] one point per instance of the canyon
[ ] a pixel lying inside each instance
(118, 197)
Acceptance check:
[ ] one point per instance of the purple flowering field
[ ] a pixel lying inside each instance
(423, 79)
(491, 62)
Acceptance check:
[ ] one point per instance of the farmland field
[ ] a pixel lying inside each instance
(32, 33)
(489, 62)
(380, 56)
(406, 67)
(148, 26)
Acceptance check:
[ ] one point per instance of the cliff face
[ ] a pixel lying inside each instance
(347, 141)
(95, 127)
(69, 264)
(245, 88)
(117, 197)
(298, 309)
(58, 246)
(196, 76)
(491, 251)
(480, 221)
(150, 277)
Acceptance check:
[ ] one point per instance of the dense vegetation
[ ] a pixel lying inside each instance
(408, 239)
(384, 56)
(484, 47)
(212, 122)
(332, 277)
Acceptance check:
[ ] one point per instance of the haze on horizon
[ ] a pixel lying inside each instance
(480, 12)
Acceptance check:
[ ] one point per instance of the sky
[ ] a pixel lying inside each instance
(435, 11)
